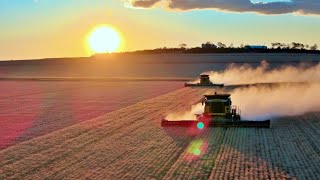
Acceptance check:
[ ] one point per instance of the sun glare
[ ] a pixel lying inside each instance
(104, 39)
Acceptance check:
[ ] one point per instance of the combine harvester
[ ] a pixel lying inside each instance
(218, 112)
(204, 81)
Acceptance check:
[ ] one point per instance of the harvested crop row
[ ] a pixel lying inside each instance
(33, 108)
(288, 150)
(129, 127)
(129, 144)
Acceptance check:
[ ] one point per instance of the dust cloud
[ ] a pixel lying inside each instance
(246, 74)
(267, 102)
(187, 115)
(278, 98)
(259, 102)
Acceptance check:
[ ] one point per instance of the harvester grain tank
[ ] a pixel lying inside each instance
(204, 81)
(218, 112)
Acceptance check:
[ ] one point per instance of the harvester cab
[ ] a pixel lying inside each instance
(218, 112)
(204, 81)
(220, 105)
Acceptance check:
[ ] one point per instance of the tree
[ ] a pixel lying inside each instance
(221, 45)
(276, 45)
(208, 45)
(285, 46)
(297, 45)
(183, 46)
(231, 45)
(294, 45)
(314, 47)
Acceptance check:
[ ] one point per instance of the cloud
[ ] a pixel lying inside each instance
(262, 7)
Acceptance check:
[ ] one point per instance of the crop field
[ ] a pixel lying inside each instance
(32, 108)
(129, 143)
(153, 65)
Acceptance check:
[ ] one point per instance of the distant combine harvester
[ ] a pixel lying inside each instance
(204, 81)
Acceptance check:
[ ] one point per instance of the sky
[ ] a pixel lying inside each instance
(31, 29)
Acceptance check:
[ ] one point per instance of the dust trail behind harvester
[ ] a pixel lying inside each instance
(246, 74)
(187, 115)
(260, 102)
(265, 102)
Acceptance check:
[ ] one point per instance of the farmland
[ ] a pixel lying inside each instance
(81, 119)
(156, 65)
(32, 108)
(129, 143)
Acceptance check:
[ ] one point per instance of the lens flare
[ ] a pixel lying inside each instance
(200, 125)
(197, 152)
(196, 149)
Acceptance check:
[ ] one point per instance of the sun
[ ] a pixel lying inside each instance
(104, 39)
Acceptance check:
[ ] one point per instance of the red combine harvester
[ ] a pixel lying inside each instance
(204, 82)
(218, 112)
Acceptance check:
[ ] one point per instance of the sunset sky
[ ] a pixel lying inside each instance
(59, 28)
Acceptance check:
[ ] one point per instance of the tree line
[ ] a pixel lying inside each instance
(275, 45)
(209, 47)
(293, 45)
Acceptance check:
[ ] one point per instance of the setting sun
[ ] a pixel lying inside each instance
(104, 39)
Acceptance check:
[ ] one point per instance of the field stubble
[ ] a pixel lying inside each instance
(33, 108)
(129, 144)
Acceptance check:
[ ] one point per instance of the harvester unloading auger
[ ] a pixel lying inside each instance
(218, 112)
(204, 81)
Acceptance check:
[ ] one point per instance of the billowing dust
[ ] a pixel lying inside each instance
(263, 102)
